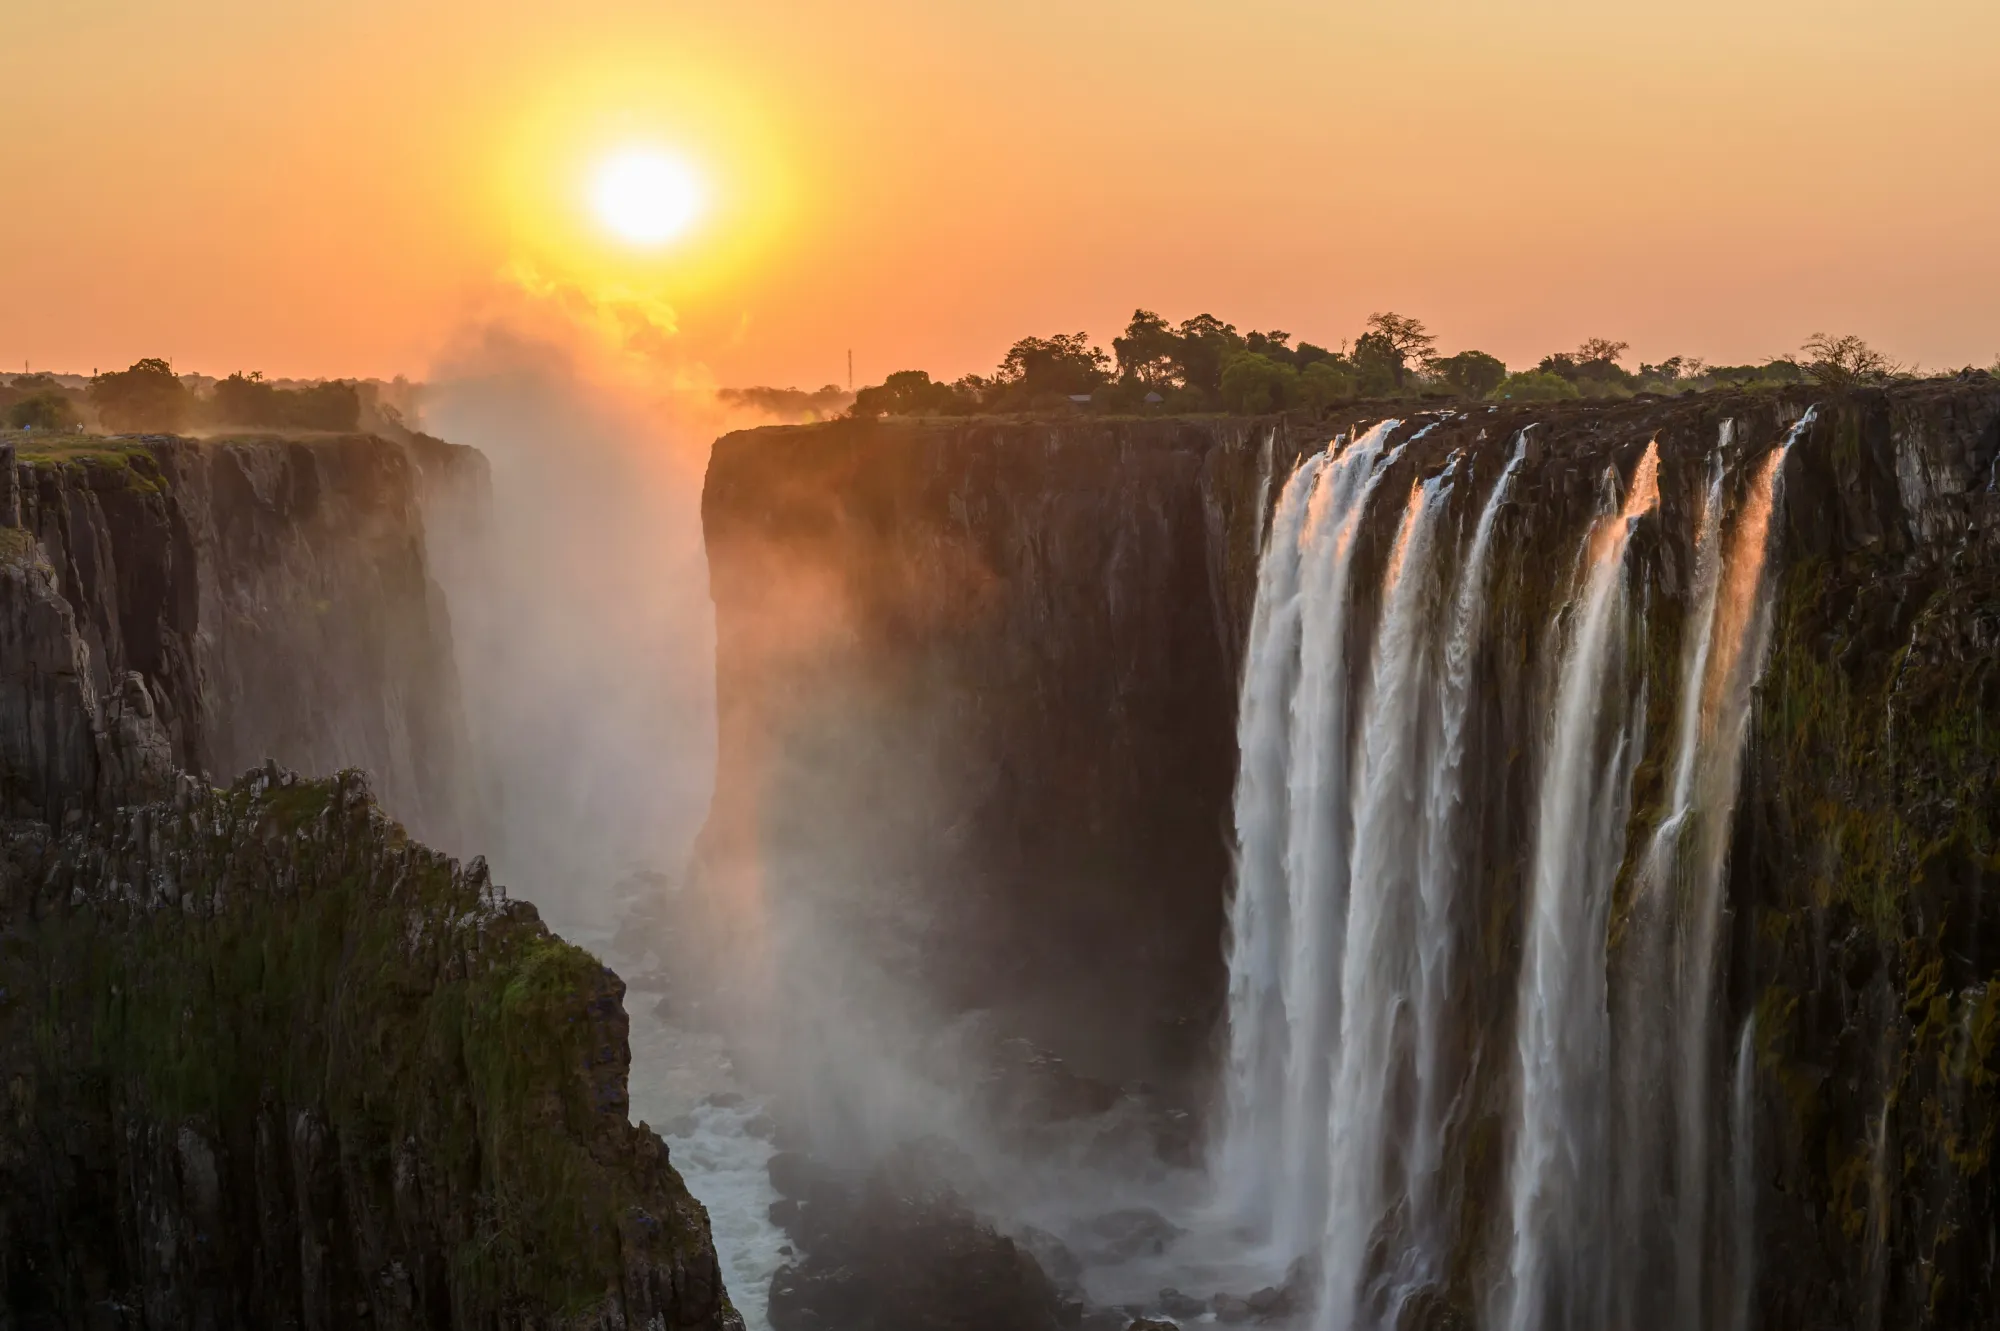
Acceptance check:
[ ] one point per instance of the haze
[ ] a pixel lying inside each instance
(344, 190)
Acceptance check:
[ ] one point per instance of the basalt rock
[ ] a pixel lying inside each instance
(222, 602)
(991, 667)
(272, 1064)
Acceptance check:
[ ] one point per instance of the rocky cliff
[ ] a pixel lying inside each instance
(225, 602)
(266, 1060)
(992, 666)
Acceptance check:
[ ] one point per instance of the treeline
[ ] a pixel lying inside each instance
(149, 398)
(1203, 364)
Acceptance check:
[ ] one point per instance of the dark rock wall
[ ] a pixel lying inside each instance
(982, 671)
(264, 1060)
(244, 600)
(993, 666)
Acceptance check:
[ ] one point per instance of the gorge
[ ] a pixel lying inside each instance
(1422, 867)
(1615, 810)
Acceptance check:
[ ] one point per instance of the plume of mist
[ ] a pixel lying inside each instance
(579, 601)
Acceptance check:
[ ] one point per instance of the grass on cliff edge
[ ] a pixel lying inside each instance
(69, 446)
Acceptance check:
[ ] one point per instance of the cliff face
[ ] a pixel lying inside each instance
(225, 602)
(995, 666)
(272, 1064)
(265, 1060)
(980, 675)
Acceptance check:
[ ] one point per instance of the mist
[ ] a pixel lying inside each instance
(580, 617)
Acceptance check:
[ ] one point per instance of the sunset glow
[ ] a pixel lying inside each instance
(923, 184)
(645, 196)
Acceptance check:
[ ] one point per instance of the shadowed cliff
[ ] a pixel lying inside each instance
(978, 680)
(269, 1061)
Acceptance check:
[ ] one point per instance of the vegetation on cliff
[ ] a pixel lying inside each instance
(272, 1063)
(1204, 365)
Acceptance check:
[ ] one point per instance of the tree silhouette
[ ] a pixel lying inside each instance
(148, 396)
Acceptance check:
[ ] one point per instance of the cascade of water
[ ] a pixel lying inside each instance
(1741, 633)
(1317, 826)
(1558, 1178)
(1379, 968)
(1644, 1233)
(1248, 1165)
(1291, 849)
(1743, 1177)
(1438, 879)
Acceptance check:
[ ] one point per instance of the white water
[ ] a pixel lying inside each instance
(1287, 915)
(1338, 999)
(1558, 1180)
(1439, 872)
(1743, 1176)
(1379, 968)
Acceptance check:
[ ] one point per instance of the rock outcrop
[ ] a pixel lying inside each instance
(269, 1063)
(227, 601)
(992, 665)
(266, 1061)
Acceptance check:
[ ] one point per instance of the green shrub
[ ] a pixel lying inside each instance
(1534, 386)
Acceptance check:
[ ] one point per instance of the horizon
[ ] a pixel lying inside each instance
(364, 194)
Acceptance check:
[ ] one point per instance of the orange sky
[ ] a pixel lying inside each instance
(345, 189)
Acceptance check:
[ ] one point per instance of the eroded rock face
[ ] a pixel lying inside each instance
(269, 1063)
(233, 600)
(991, 667)
(265, 1061)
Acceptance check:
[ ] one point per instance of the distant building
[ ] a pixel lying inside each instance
(1154, 400)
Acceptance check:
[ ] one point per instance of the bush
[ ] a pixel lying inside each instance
(1534, 386)
(1470, 373)
(1324, 382)
(246, 400)
(46, 410)
(911, 393)
(1254, 384)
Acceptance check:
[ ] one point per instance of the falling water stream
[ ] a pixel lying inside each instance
(1359, 870)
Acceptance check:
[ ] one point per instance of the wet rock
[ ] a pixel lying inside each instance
(1152, 1324)
(1232, 1308)
(1052, 1255)
(1181, 1306)
(1119, 1236)
(900, 1262)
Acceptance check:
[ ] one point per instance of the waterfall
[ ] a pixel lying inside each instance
(1379, 969)
(1438, 877)
(1358, 934)
(1743, 1177)
(1292, 831)
(1558, 1178)
(1259, 910)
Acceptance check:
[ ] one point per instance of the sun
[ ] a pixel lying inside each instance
(646, 196)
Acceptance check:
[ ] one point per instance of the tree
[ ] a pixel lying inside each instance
(1149, 353)
(1206, 343)
(1470, 373)
(49, 409)
(1253, 384)
(1379, 366)
(1842, 362)
(1407, 338)
(1065, 364)
(1674, 368)
(1601, 349)
(145, 397)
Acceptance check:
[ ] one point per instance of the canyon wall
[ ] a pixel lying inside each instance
(980, 679)
(267, 1060)
(232, 601)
